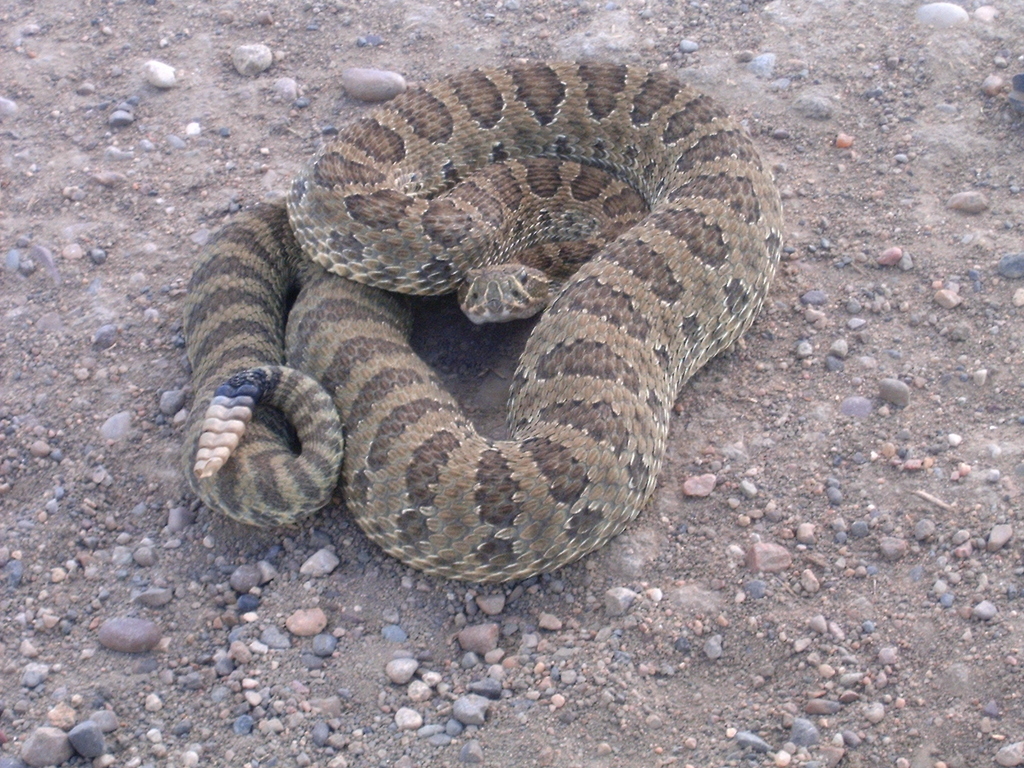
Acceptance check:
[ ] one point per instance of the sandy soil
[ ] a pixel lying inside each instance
(887, 628)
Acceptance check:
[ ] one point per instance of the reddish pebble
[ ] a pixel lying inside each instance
(890, 257)
(992, 85)
(480, 638)
(844, 141)
(306, 622)
(701, 485)
(766, 557)
(129, 635)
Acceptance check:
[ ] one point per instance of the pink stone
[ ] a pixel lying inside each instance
(890, 256)
(306, 622)
(479, 638)
(766, 557)
(701, 485)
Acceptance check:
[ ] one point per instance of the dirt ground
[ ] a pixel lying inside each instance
(885, 626)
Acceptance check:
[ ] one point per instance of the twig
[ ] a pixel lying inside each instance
(933, 500)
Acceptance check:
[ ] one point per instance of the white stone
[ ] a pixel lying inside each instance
(941, 15)
(408, 719)
(158, 74)
(250, 60)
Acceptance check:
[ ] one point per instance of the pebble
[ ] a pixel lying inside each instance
(549, 622)
(400, 671)
(756, 588)
(999, 536)
(942, 15)
(971, 201)
(768, 557)
(372, 84)
(856, 406)
(699, 485)
(158, 74)
(144, 557)
(1011, 755)
(46, 746)
(688, 46)
(471, 709)
(244, 578)
(324, 644)
(250, 60)
(306, 622)
(822, 707)
(890, 256)
(874, 712)
(408, 719)
(242, 725)
(34, 674)
(491, 605)
(8, 108)
(105, 720)
(394, 633)
(763, 65)
(87, 739)
(479, 638)
(61, 716)
(924, 529)
(471, 753)
(892, 548)
(984, 611)
(491, 688)
(809, 581)
(273, 637)
(750, 740)
(120, 118)
(154, 597)
(418, 691)
(286, 89)
(617, 600)
(992, 85)
(320, 563)
(895, 392)
(104, 337)
(947, 299)
(813, 106)
(713, 647)
(116, 427)
(129, 635)
(1011, 266)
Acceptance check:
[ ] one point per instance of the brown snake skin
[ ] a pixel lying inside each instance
(591, 400)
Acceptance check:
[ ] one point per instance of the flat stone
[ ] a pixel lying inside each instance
(129, 635)
(856, 406)
(479, 638)
(1011, 266)
(492, 605)
(549, 622)
(942, 15)
(105, 719)
(87, 739)
(1011, 755)
(306, 622)
(250, 60)
(971, 201)
(804, 733)
(372, 85)
(154, 597)
(46, 746)
(116, 427)
(768, 557)
(999, 536)
(813, 106)
(699, 485)
(750, 740)
(273, 637)
(320, 563)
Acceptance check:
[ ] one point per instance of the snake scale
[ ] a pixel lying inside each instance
(292, 364)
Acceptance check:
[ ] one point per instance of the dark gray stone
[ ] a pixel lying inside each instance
(87, 739)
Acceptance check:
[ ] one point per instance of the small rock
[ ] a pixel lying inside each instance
(105, 719)
(40, 449)
(688, 46)
(701, 485)
(809, 581)
(418, 691)
(286, 89)
(320, 563)
(104, 337)
(1011, 266)
(491, 605)
(46, 746)
(874, 712)
(941, 15)
(61, 716)
(171, 401)
(275, 638)
(116, 427)
(813, 106)
(947, 299)
(144, 557)
(971, 201)
(924, 529)
(894, 391)
(804, 733)
(372, 84)
(250, 60)
(394, 633)
(129, 635)
(154, 597)
(471, 753)
(479, 638)
(158, 74)
(34, 674)
(490, 688)
(713, 647)
(984, 611)
(892, 548)
(324, 645)
(8, 108)
(306, 622)
(999, 536)
(763, 65)
(87, 739)
(856, 406)
(617, 600)
(408, 719)
(992, 85)
(244, 578)
(768, 557)
(120, 118)
(471, 709)
(400, 671)
(1011, 755)
(750, 740)
(242, 725)
(549, 622)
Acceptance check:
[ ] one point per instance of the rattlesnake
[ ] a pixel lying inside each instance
(591, 400)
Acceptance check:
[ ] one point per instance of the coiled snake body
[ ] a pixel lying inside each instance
(273, 337)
